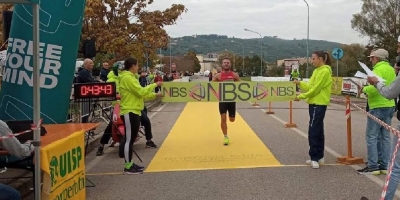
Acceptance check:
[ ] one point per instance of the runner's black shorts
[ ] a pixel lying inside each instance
(229, 107)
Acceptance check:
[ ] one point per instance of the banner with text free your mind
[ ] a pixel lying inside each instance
(60, 31)
(64, 168)
(228, 91)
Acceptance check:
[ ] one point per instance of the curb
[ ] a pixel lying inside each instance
(24, 185)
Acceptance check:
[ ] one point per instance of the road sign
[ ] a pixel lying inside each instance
(337, 53)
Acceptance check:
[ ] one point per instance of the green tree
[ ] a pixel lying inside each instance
(125, 28)
(192, 55)
(276, 71)
(379, 20)
(348, 65)
(3, 7)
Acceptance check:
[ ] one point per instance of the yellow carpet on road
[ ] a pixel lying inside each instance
(195, 142)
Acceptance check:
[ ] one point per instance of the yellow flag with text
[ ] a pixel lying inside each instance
(64, 168)
(337, 85)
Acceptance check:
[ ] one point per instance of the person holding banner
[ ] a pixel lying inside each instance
(226, 75)
(317, 94)
(132, 103)
(391, 91)
(295, 75)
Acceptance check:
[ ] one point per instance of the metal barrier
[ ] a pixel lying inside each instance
(79, 110)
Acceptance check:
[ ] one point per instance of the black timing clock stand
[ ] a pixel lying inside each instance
(92, 94)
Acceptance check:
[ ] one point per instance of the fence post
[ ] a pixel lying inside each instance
(256, 104)
(290, 124)
(270, 112)
(349, 159)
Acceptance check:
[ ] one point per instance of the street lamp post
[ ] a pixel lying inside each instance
(261, 48)
(308, 35)
(170, 58)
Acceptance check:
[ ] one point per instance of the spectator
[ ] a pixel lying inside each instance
(158, 78)
(383, 109)
(151, 76)
(85, 76)
(143, 79)
(391, 91)
(173, 68)
(166, 77)
(104, 71)
(20, 154)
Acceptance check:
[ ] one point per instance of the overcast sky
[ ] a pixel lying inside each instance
(287, 19)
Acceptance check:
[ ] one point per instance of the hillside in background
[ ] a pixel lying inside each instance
(273, 47)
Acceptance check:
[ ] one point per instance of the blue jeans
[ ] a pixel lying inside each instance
(9, 193)
(395, 176)
(374, 132)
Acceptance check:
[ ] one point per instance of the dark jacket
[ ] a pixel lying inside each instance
(103, 74)
(85, 76)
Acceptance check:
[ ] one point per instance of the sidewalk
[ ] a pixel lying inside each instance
(22, 179)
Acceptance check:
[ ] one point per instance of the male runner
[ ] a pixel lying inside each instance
(226, 75)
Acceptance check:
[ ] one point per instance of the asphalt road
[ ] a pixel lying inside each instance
(292, 179)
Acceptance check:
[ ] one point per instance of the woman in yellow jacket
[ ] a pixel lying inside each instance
(131, 104)
(317, 94)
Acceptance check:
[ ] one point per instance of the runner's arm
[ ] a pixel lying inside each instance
(216, 78)
(236, 77)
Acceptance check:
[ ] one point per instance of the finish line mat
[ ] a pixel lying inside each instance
(195, 142)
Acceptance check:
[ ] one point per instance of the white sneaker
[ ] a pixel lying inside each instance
(314, 165)
(320, 161)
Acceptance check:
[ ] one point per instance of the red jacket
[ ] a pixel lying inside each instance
(157, 79)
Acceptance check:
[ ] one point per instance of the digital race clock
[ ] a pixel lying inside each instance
(95, 91)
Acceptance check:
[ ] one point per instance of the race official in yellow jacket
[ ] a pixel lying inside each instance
(132, 103)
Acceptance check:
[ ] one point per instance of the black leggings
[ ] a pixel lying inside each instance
(145, 121)
(132, 125)
(107, 133)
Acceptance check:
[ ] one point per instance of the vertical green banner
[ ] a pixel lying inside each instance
(60, 30)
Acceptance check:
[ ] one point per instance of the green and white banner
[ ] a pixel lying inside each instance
(60, 31)
(228, 91)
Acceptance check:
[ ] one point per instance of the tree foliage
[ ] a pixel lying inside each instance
(124, 28)
(2, 8)
(348, 65)
(272, 47)
(380, 21)
(193, 56)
